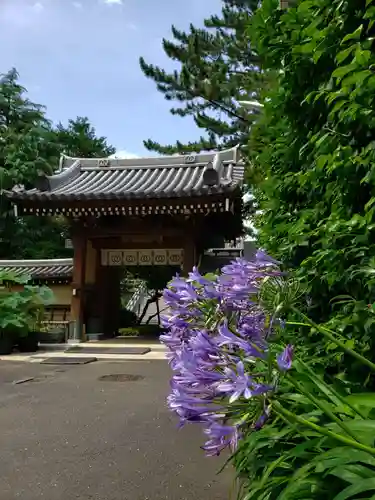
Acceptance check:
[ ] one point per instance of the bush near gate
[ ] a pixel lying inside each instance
(313, 149)
(20, 311)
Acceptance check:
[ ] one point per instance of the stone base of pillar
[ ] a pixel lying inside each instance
(73, 341)
(75, 333)
(94, 336)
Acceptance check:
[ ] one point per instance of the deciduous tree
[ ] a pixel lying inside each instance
(31, 145)
(315, 152)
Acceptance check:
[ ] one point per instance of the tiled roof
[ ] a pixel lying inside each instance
(125, 179)
(39, 269)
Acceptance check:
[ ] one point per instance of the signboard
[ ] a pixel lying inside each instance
(143, 257)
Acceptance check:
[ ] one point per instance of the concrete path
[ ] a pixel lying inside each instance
(66, 434)
(157, 351)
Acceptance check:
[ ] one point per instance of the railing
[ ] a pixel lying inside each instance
(138, 299)
(49, 325)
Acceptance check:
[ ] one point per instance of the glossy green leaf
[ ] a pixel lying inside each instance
(344, 70)
(365, 485)
(352, 473)
(353, 36)
(344, 54)
(364, 399)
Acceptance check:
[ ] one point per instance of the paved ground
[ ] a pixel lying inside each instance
(67, 435)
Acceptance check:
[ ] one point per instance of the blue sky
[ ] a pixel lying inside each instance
(81, 58)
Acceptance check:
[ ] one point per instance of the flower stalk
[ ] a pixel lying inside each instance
(279, 409)
(329, 334)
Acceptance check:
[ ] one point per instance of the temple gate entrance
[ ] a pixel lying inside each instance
(135, 212)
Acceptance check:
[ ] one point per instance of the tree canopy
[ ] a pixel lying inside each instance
(30, 145)
(313, 152)
(79, 139)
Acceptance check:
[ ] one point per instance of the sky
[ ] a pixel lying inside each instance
(80, 58)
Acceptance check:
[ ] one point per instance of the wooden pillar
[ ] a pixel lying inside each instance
(189, 256)
(91, 257)
(100, 293)
(78, 283)
(92, 297)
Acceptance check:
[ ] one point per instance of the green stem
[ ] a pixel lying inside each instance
(323, 407)
(329, 388)
(328, 334)
(342, 439)
(296, 323)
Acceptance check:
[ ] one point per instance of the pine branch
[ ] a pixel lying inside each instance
(218, 67)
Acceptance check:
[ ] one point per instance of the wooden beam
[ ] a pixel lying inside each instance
(45, 205)
(120, 243)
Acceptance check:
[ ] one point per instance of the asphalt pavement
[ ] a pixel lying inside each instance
(67, 434)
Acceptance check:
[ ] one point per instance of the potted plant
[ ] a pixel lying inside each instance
(19, 312)
(35, 299)
(27, 341)
(6, 342)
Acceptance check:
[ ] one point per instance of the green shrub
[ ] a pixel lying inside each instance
(131, 331)
(140, 330)
(314, 159)
(21, 311)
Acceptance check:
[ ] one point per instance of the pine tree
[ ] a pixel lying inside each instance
(218, 68)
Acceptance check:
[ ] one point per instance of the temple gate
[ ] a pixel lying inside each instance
(135, 212)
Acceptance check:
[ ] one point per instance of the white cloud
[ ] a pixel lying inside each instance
(38, 7)
(123, 154)
(113, 2)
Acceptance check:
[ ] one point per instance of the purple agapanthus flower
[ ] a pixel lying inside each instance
(262, 419)
(263, 258)
(220, 437)
(239, 383)
(215, 334)
(228, 338)
(195, 276)
(284, 360)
